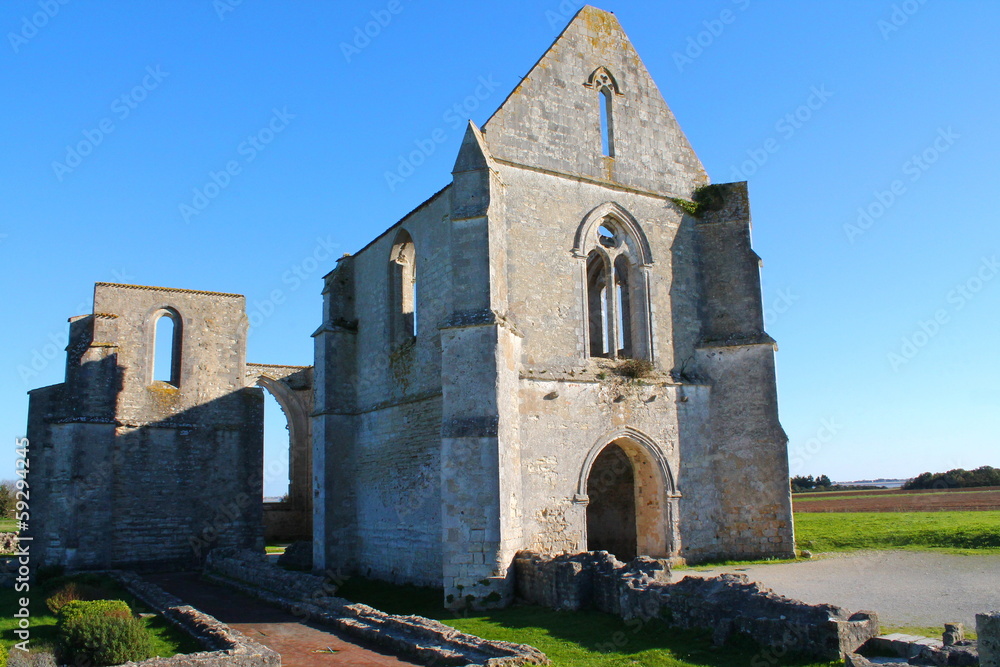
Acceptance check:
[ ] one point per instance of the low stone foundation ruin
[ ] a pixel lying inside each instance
(312, 598)
(725, 605)
(988, 629)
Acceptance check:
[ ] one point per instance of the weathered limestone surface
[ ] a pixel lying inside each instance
(725, 605)
(988, 631)
(129, 471)
(492, 372)
(439, 457)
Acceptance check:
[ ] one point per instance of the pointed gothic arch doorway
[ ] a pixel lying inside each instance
(631, 498)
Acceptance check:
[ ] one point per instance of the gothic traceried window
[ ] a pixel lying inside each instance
(617, 303)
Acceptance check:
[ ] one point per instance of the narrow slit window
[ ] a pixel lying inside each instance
(597, 305)
(166, 349)
(402, 290)
(607, 123)
(413, 300)
(624, 307)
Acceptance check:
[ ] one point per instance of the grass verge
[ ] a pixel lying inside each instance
(962, 532)
(710, 564)
(576, 639)
(8, 526)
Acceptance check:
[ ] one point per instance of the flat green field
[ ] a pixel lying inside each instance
(972, 532)
(8, 526)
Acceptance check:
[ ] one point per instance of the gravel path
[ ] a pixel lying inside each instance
(906, 588)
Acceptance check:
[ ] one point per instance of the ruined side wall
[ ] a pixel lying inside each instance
(142, 473)
(377, 430)
(399, 493)
(292, 387)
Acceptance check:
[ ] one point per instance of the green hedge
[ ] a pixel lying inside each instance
(101, 632)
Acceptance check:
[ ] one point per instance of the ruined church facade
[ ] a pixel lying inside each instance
(561, 350)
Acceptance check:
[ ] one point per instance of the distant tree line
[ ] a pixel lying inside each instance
(810, 484)
(956, 479)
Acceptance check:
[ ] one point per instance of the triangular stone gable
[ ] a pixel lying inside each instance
(552, 119)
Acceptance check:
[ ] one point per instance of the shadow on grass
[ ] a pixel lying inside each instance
(577, 639)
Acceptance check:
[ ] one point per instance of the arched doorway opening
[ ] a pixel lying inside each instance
(286, 463)
(631, 498)
(611, 511)
(277, 451)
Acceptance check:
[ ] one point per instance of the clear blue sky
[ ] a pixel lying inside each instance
(884, 86)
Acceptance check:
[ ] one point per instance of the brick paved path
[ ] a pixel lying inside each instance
(300, 644)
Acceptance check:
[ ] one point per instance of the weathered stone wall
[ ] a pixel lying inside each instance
(723, 605)
(988, 632)
(563, 134)
(128, 471)
(746, 445)
(377, 442)
(504, 346)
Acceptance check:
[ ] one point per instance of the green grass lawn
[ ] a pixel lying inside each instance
(575, 639)
(8, 526)
(959, 532)
(166, 638)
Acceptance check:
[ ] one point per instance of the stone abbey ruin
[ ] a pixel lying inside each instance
(561, 351)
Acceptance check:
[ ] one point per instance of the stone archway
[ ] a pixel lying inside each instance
(291, 386)
(627, 479)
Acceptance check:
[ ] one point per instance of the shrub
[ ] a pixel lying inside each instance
(72, 592)
(7, 499)
(101, 632)
(19, 658)
(635, 369)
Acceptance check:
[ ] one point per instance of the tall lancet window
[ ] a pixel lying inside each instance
(607, 88)
(165, 360)
(607, 123)
(402, 290)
